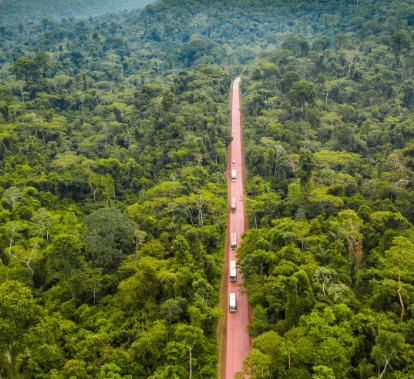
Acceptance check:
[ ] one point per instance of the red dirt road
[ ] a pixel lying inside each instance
(237, 340)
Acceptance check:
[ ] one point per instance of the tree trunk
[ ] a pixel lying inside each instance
(188, 210)
(200, 214)
(9, 359)
(399, 291)
(323, 286)
(191, 367)
(385, 367)
(11, 241)
(73, 298)
(43, 136)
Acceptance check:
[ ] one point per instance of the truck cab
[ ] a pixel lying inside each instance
(233, 205)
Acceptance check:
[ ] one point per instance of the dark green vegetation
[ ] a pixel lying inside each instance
(114, 135)
(113, 211)
(328, 261)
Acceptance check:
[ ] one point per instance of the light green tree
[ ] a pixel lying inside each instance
(323, 372)
(111, 371)
(14, 227)
(324, 275)
(387, 346)
(108, 185)
(257, 364)
(94, 180)
(19, 314)
(402, 253)
(43, 221)
(12, 194)
(189, 336)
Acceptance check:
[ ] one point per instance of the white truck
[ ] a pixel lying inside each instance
(232, 305)
(233, 175)
(233, 243)
(233, 205)
(233, 271)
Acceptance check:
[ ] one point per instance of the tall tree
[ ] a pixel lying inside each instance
(387, 346)
(399, 41)
(19, 315)
(26, 69)
(302, 91)
(109, 237)
(189, 336)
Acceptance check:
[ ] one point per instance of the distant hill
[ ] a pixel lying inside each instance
(36, 10)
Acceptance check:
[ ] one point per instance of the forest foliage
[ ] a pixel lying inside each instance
(114, 136)
(328, 258)
(113, 211)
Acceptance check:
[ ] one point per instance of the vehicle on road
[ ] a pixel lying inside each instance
(233, 205)
(234, 161)
(233, 175)
(233, 243)
(232, 305)
(233, 271)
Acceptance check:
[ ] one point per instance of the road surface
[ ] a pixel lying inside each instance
(237, 340)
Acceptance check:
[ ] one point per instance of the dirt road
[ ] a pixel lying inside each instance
(237, 340)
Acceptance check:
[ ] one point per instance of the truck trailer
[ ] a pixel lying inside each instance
(232, 305)
(233, 205)
(233, 271)
(233, 243)
(233, 175)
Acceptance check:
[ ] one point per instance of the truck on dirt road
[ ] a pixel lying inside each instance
(233, 175)
(233, 243)
(232, 304)
(233, 271)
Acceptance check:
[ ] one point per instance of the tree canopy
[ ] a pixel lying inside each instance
(113, 152)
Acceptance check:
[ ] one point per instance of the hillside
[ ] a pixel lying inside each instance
(114, 139)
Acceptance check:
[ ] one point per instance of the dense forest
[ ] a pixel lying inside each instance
(114, 136)
(328, 259)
